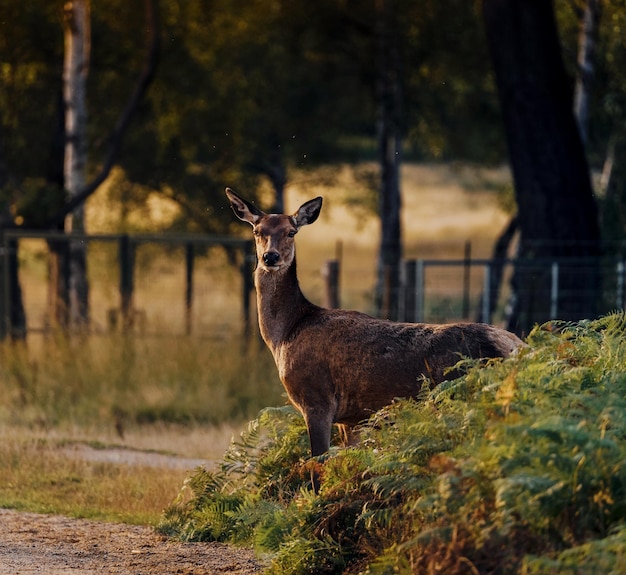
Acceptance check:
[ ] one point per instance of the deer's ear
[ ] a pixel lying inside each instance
(308, 212)
(244, 210)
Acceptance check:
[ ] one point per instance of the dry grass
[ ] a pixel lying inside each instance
(42, 471)
(174, 398)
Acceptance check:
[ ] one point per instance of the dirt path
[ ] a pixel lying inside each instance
(53, 545)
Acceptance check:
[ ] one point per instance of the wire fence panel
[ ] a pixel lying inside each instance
(446, 292)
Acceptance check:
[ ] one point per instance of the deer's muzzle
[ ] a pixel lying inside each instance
(270, 259)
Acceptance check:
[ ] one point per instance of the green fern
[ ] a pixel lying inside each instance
(517, 467)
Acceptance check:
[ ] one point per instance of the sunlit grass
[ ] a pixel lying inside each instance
(35, 475)
(180, 396)
(120, 381)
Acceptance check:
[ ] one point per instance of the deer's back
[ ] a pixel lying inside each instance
(361, 364)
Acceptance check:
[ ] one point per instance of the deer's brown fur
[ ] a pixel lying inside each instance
(341, 366)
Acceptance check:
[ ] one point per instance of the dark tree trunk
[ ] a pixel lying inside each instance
(277, 174)
(587, 40)
(614, 205)
(12, 316)
(58, 303)
(558, 215)
(389, 152)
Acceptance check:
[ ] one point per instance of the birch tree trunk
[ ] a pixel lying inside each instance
(75, 71)
(389, 152)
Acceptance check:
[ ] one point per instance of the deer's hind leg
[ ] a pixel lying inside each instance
(349, 435)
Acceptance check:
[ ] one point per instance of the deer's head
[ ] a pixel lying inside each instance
(274, 233)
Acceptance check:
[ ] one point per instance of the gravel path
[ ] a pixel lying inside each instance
(53, 545)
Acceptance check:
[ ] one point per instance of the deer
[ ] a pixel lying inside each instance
(339, 366)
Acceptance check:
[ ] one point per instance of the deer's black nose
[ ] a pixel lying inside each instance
(271, 258)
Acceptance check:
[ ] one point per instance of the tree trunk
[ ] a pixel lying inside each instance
(389, 152)
(12, 316)
(558, 215)
(277, 174)
(587, 39)
(57, 312)
(75, 71)
(614, 181)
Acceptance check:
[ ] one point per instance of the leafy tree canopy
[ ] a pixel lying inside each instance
(248, 90)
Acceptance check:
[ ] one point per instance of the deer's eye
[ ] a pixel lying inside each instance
(291, 233)
(256, 233)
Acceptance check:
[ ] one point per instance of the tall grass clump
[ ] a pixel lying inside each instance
(127, 380)
(517, 467)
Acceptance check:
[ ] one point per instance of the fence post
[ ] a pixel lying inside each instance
(486, 300)
(619, 288)
(330, 272)
(467, 266)
(189, 261)
(410, 291)
(554, 291)
(4, 289)
(247, 270)
(419, 291)
(126, 257)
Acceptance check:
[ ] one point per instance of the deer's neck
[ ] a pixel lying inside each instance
(280, 302)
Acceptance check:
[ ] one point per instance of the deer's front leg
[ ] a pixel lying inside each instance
(319, 424)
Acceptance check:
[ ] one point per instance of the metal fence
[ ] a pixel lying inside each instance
(452, 290)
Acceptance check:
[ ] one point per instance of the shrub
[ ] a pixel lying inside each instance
(517, 467)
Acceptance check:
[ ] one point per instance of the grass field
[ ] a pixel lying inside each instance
(41, 470)
(178, 399)
(185, 396)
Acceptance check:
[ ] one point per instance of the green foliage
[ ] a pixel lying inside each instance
(517, 467)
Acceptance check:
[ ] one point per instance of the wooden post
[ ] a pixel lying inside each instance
(5, 319)
(410, 291)
(619, 289)
(189, 261)
(247, 271)
(331, 275)
(485, 312)
(126, 262)
(554, 291)
(420, 291)
(467, 267)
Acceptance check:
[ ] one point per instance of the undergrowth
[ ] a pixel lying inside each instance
(517, 467)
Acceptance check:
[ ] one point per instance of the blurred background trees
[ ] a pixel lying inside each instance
(247, 90)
